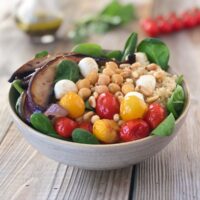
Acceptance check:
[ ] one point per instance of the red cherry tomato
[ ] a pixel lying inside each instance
(86, 125)
(189, 20)
(155, 114)
(150, 27)
(64, 126)
(165, 26)
(176, 23)
(196, 13)
(107, 105)
(134, 130)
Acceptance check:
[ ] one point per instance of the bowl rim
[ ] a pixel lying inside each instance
(99, 146)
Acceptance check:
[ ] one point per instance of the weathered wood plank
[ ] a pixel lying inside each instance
(26, 173)
(174, 173)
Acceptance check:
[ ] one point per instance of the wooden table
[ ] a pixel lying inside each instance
(173, 174)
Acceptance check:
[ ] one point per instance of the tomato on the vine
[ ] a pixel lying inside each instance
(64, 126)
(151, 27)
(155, 115)
(134, 130)
(107, 105)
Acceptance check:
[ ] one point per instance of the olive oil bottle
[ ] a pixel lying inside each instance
(39, 19)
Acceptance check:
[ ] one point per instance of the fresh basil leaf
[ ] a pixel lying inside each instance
(179, 80)
(41, 54)
(17, 84)
(175, 103)
(88, 49)
(165, 128)
(114, 55)
(67, 70)
(130, 45)
(156, 51)
(80, 135)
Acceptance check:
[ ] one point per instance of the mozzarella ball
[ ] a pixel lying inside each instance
(147, 81)
(87, 65)
(141, 58)
(64, 86)
(137, 94)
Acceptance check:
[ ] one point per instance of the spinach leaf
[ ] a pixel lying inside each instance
(130, 45)
(175, 103)
(179, 80)
(114, 55)
(113, 15)
(41, 54)
(17, 84)
(87, 106)
(67, 70)
(89, 49)
(156, 51)
(80, 135)
(42, 123)
(165, 128)
(122, 13)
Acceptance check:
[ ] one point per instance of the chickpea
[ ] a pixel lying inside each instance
(135, 65)
(117, 78)
(101, 89)
(151, 67)
(112, 65)
(92, 101)
(108, 71)
(92, 77)
(119, 96)
(84, 93)
(84, 83)
(88, 115)
(103, 79)
(94, 118)
(113, 88)
(126, 73)
(127, 87)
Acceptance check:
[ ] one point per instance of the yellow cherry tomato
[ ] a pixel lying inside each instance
(106, 131)
(132, 108)
(73, 103)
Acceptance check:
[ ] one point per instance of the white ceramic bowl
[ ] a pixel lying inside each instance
(96, 157)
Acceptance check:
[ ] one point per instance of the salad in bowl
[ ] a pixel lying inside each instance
(98, 97)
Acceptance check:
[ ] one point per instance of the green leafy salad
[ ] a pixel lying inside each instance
(97, 96)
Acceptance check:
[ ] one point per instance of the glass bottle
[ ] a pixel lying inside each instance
(40, 19)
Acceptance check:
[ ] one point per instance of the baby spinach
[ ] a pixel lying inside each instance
(82, 136)
(175, 103)
(41, 54)
(89, 49)
(87, 106)
(156, 51)
(114, 55)
(67, 70)
(165, 128)
(17, 84)
(42, 123)
(130, 46)
(111, 16)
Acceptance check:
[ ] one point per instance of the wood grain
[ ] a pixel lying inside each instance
(175, 172)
